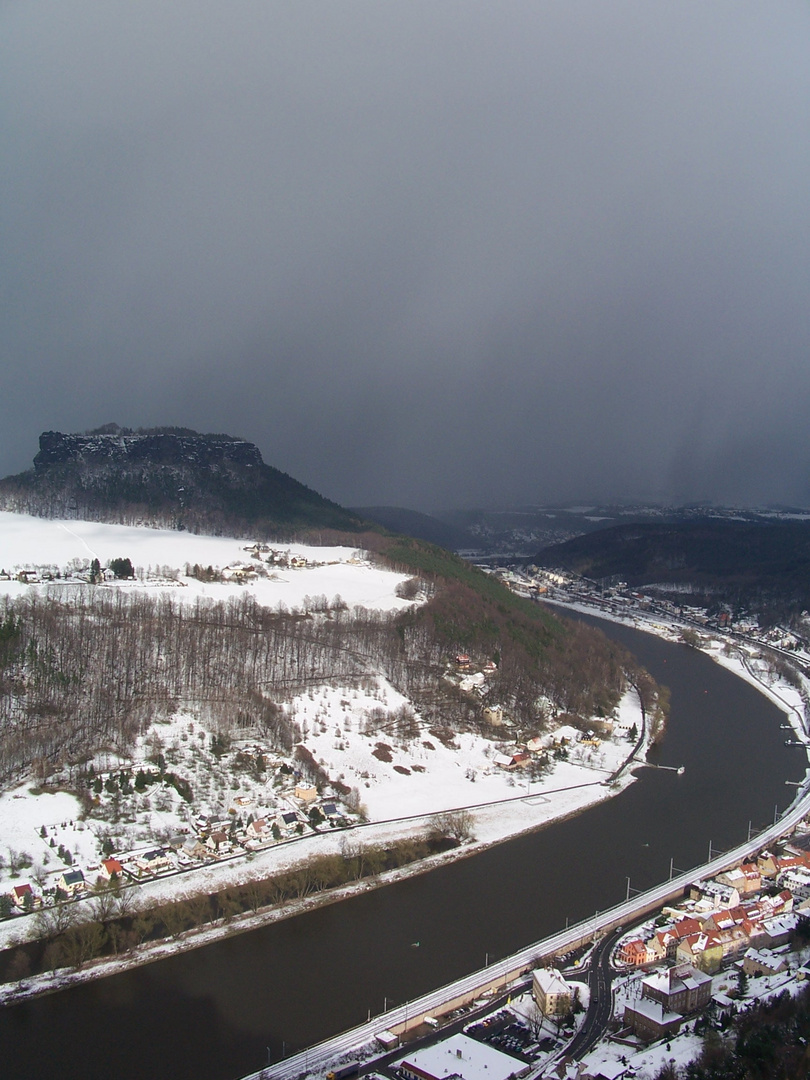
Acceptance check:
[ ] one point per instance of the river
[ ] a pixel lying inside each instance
(217, 1012)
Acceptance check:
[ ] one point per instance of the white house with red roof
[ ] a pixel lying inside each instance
(25, 898)
(111, 868)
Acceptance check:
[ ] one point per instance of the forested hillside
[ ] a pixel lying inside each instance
(89, 670)
(82, 668)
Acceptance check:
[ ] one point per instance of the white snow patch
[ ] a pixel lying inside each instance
(30, 542)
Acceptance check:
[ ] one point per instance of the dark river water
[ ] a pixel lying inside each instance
(215, 1013)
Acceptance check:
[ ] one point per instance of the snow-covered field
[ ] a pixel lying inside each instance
(40, 544)
(398, 775)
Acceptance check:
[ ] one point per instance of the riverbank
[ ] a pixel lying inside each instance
(552, 800)
(208, 934)
(491, 824)
(737, 655)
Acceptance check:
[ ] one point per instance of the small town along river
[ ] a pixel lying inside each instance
(217, 1012)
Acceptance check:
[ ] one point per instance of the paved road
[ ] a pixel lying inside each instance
(600, 1006)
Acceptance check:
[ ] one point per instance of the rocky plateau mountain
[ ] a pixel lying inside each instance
(168, 477)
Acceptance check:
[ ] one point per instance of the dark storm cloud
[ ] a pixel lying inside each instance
(433, 254)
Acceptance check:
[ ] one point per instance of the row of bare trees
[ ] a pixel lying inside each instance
(70, 936)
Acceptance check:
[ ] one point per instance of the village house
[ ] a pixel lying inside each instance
(256, 829)
(723, 1006)
(635, 953)
(475, 682)
(152, 861)
(777, 931)
(763, 962)
(766, 864)
(193, 848)
(71, 882)
(781, 904)
(239, 572)
(553, 995)
(703, 951)
(796, 880)
(735, 940)
(659, 945)
(24, 897)
(257, 549)
(219, 843)
(680, 989)
(651, 1021)
(111, 868)
(493, 714)
(664, 943)
(517, 760)
(746, 879)
(598, 1069)
(307, 794)
(710, 895)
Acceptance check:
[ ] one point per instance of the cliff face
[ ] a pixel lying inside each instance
(181, 451)
(172, 479)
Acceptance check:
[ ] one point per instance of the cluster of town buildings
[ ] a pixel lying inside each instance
(723, 918)
(263, 560)
(617, 598)
(738, 925)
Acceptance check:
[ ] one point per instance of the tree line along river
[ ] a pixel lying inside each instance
(219, 1012)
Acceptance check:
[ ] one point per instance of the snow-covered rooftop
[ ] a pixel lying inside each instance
(462, 1056)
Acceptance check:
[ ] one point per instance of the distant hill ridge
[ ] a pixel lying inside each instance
(398, 519)
(739, 562)
(169, 477)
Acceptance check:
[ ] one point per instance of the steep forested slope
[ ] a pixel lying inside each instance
(92, 670)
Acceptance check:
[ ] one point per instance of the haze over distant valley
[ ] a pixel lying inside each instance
(422, 255)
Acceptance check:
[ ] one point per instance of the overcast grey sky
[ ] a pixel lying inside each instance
(426, 253)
